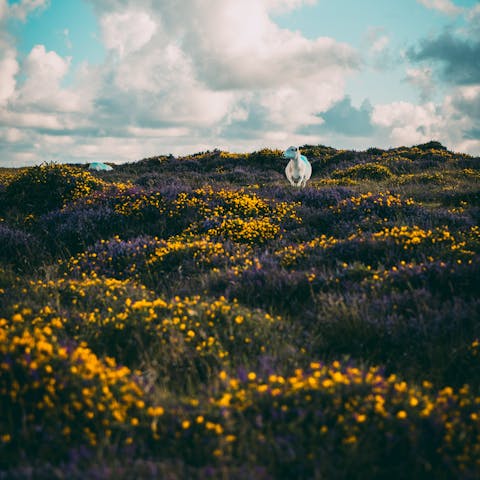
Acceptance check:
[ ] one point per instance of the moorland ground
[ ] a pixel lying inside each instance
(198, 317)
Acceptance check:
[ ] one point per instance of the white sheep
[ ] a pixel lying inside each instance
(298, 170)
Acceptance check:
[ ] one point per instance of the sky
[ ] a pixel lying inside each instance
(121, 80)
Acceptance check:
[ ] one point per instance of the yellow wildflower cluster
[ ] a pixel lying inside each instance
(409, 237)
(211, 203)
(237, 215)
(251, 231)
(290, 254)
(89, 293)
(136, 204)
(465, 244)
(82, 182)
(369, 199)
(352, 401)
(190, 324)
(63, 387)
(202, 250)
(8, 175)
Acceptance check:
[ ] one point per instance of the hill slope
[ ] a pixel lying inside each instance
(198, 317)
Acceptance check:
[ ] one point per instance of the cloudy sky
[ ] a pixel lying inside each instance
(120, 80)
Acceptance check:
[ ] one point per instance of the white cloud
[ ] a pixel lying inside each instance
(23, 8)
(204, 61)
(8, 70)
(43, 66)
(473, 17)
(380, 44)
(12, 135)
(42, 89)
(127, 31)
(407, 123)
(3, 9)
(375, 45)
(31, 120)
(285, 5)
(404, 113)
(451, 121)
(443, 6)
(236, 45)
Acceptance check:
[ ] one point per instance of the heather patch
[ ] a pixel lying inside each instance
(197, 317)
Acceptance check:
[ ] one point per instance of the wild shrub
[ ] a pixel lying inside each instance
(48, 187)
(304, 424)
(364, 171)
(55, 394)
(19, 248)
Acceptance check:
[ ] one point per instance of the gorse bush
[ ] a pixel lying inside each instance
(54, 393)
(302, 421)
(365, 171)
(49, 187)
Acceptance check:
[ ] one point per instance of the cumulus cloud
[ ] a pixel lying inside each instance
(8, 71)
(42, 90)
(408, 123)
(444, 6)
(464, 105)
(199, 61)
(404, 113)
(128, 31)
(456, 121)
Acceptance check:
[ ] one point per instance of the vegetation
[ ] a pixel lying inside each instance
(197, 317)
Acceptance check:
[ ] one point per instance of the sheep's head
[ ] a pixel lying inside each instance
(291, 152)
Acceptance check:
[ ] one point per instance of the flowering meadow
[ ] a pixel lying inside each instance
(198, 317)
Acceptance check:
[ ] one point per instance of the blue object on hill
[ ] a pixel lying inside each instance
(99, 166)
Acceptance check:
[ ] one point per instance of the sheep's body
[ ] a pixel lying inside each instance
(298, 170)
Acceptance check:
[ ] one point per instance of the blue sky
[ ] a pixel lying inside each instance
(68, 27)
(119, 80)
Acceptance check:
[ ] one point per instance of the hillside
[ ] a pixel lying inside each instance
(198, 317)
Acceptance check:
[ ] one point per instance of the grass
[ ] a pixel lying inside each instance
(197, 317)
